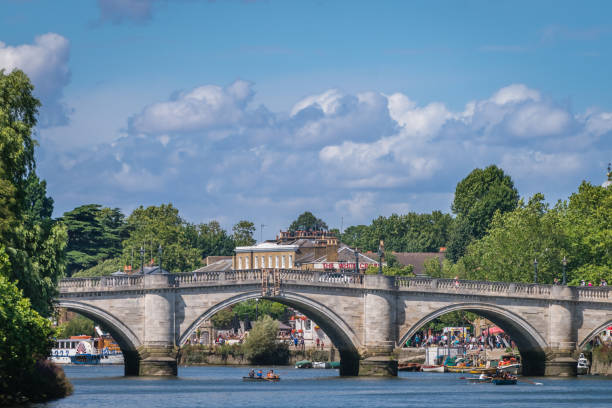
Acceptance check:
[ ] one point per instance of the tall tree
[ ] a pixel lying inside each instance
(154, 226)
(214, 240)
(514, 240)
(308, 222)
(242, 233)
(477, 198)
(33, 242)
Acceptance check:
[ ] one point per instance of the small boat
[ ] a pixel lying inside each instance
(479, 380)
(583, 365)
(504, 381)
(409, 367)
(303, 364)
(261, 379)
(483, 370)
(509, 364)
(334, 364)
(433, 368)
(455, 369)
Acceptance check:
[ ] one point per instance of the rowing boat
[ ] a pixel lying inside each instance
(260, 379)
(501, 381)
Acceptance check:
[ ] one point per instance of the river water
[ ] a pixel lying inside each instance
(104, 386)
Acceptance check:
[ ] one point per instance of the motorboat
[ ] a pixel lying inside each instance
(433, 368)
(583, 365)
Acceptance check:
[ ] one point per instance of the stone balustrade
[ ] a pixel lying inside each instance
(297, 276)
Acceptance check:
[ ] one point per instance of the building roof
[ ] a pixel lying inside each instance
(417, 259)
(214, 258)
(266, 247)
(220, 265)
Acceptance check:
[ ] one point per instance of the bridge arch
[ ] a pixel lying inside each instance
(127, 341)
(531, 344)
(340, 333)
(593, 334)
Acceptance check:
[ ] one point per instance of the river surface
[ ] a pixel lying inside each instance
(104, 386)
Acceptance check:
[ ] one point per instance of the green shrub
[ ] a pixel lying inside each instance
(260, 347)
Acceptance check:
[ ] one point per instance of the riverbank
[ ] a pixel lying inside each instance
(200, 355)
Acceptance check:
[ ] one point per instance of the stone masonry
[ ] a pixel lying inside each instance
(365, 316)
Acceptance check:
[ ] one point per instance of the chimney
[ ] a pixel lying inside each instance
(332, 250)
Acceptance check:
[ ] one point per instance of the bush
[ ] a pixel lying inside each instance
(260, 347)
(603, 353)
(25, 343)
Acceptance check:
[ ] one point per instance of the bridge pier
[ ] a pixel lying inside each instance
(379, 322)
(560, 360)
(158, 354)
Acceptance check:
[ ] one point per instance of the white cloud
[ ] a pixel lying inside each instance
(333, 153)
(46, 63)
(203, 108)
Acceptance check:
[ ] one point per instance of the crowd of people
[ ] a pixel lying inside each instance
(602, 282)
(458, 339)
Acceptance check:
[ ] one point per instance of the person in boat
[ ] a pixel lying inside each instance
(259, 373)
(252, 373)
(271, 374)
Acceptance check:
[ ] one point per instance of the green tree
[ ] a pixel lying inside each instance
(79, 325)
(34, 243)
(514, 240)
(308, 222)
(392, 270)
(94, 235)
(103, 268)
(260, 347)
(24, 339)
(213, 240)
(477, 198)
(242, 233)
(153, 226)
(587, 224)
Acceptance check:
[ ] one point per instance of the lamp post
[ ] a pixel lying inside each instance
(159, 251)
(564, 261)
(535, 270)
(356, 261)
(381, 253)
(142, 252)
(256, 309)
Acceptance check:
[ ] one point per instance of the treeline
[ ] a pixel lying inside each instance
(102, 240)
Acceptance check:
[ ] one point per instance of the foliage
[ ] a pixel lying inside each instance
(213, 240)
(457, 318)
(242, 233)
(154, 226)
(250, 309)
(603, 354)
(104, 268)
(587, 223)
(79, 325)
(260, 347)
(477, 198)
(308, 222)
(24, 338)
(33, 242)
(514, 241)
(94, 235)
(411, 232)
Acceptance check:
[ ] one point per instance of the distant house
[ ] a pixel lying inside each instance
(417, 259)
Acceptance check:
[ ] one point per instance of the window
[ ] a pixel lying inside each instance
(263, 261)
(239, 262)
(276, 265)
(290, 261)
(283, 262)
(307, 324)
(256, 262)
(270, 261)
(246, 262)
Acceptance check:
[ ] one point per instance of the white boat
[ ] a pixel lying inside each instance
(513, 369)
(86, 350)
(433, 368)
(583, 365)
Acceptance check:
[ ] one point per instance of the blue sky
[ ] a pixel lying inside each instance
(261, 110)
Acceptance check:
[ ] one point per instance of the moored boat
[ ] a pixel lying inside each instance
(303, 364)
(583, 365)
(433, 368)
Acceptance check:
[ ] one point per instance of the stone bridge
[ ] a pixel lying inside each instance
(365, 316)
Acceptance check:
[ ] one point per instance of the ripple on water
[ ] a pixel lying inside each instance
(101, 387)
